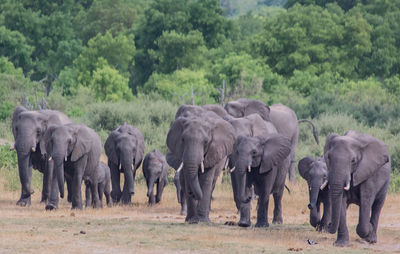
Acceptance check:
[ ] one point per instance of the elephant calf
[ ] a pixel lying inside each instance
(315, 172)
(155, 169)
(103, 185)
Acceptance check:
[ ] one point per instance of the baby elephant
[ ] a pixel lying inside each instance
(315, 172)
(104, 179)
(155, 169)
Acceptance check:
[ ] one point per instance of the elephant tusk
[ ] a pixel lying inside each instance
(120, 166)
(132, 167)
(347, 187)
(50, 158)
(66, 158)
(226, 164)
(232, 169)
(323, 185)
(180, 167)
(33, 149)
(202, 167)
(249, 168)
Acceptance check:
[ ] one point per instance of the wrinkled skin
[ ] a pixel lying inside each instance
(103, 186)
(282, 117)
(195, 140)
(261, 161)
(74, 150)
(124, 148)
(155, 170)
(28, 128)
(359, 173)
(249, 126)
(315, 172)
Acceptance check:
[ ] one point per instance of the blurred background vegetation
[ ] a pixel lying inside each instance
(105, 62)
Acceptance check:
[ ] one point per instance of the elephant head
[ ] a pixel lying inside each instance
(245, 107)
(66, 142)
(261, 153)
(125, 147)
(315, 172)
(186, 110)
(198, 142)
(351, 159)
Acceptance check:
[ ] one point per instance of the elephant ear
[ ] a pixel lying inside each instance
(83, 143)
(16, 113)
(221, 144)
(304, 167)
(110, 149)
(257, 107)
(174, 143)
(276, 149)
(374, 155)
(45, 142)
(140, 147)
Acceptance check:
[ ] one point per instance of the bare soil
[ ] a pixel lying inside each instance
(160, 229)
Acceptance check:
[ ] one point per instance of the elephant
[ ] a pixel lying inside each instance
(28, 128)
(358, 173)
(155, 170)
(180, 192)
(315, 172)
(184, 110)
(199, 145)
(103, 185)
(124, 148)
(75, 150)
(249, 126)
(261, 161)
(282, 117)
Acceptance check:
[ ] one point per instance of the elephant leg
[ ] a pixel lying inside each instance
(126, 195)
(88, 195)
(245, 209)
(107, 193)
(262, 211)
(160, 188)
(47, 176)
(343, 233)
(115, 182)
(54, 191)
(69, 188)
(278, 207)
(178, 187)
(326, 217)
(207, 182)
(94, 188)
(375, 213)
(100, 190)
(79, 166)
(184, 202)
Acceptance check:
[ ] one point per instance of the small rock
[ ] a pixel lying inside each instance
(82, 232)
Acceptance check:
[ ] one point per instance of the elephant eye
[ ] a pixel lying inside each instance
(353, 160)
(38, 131)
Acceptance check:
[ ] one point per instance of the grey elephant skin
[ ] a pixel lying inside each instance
(359, 173)
(75, 150)
(199, 145)
(315, 172)
(249, 126)
(28, 128)
(103, 180)
(155, 170)
(185, 111)
(261, 161)
(282, 117)
(124, 148)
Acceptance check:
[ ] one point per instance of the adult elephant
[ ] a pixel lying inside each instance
(28, 128)
(77, 148)
(199, 145)
(359, 173)
(261, 161)
(282, 117)
(124, 148)
(186, 110)
(315, 172)
(248, 126)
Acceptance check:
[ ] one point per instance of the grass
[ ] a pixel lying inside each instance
(160, 229)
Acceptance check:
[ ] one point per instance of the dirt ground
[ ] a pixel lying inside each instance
(160, 229)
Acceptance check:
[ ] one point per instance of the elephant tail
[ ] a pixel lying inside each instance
(315, 132)
(287, 188)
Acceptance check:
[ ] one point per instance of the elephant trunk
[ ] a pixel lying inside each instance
(314, 191)
(126, 164)
(25, 174)
(59, 165)
(190, 173)
(336, 196)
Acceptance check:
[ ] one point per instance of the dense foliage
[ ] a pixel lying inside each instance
(108, 61)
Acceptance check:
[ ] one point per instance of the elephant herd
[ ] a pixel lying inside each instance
(255, 142)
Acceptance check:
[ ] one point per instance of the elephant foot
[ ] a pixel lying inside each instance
(341, 243)
(204, 219)
(372, 238)
(262, 224)
(277, 221)
(44, 200)
(50, 207)
(244, 223)
(24, 202)
(192, 220)
(69, 199)
(183, 212)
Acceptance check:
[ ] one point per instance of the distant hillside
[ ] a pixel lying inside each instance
(239, 7)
